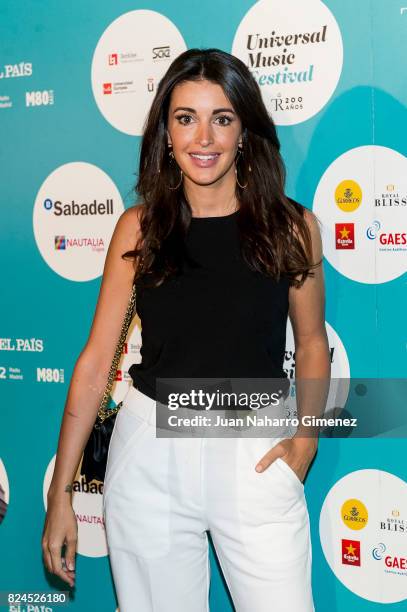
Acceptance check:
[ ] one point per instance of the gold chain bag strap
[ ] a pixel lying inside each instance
(95, 453)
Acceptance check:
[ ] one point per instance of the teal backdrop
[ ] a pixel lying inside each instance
(46, 310)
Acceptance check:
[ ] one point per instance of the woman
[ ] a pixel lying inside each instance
(221, 257)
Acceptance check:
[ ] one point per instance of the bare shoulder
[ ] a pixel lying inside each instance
(315, 232)
(307, 303)
(115, 291)
(128, 224)
(134, 212)
(314, 225)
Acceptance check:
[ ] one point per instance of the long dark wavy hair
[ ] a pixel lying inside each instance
(270, 223)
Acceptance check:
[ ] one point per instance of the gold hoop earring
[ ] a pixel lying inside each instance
(172, 158)
(237, 181)
(180, 181)
(240, 152)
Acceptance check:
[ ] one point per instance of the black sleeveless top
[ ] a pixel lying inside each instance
(219, 319)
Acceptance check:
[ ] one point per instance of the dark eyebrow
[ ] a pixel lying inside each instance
(215, 112)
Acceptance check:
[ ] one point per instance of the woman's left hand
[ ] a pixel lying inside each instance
(297, 452)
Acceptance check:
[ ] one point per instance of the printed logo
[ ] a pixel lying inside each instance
(295, 54)
(391, 198)
(124, 61)
(39, 98)
(344, 235)
(50, 375)
(62, 243)
(160, 53)
(16, 70)
(6, 102)
(351, 552)
(354, 514)
(348, 195)
(394, 524)
(393, 564)
(378, 551)
(373, 230)
(74, 209)
(380, 574)
(32, 345)
(375, 203)
(388, 240)
(116, 59)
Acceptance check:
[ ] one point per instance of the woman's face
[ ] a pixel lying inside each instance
(204, 131)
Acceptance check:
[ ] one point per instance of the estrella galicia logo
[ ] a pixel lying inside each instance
(372, 230)
(60, 243)
(378, 551)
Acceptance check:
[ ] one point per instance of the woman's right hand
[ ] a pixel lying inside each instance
(60, 528)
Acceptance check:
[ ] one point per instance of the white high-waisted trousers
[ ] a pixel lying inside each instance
(162, 495)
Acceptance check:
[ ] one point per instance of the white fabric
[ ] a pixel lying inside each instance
(161, 495)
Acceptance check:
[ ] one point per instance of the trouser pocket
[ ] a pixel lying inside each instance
(127, 429)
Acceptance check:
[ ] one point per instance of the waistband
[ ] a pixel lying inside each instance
(140, 404)
(145, 408)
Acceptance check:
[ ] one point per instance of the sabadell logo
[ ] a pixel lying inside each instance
(73, 208)
(75, 212)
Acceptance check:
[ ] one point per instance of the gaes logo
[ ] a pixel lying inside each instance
(378, 551)
(394, 564)
(386, 238)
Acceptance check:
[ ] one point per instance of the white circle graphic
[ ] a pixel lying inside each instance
(4, 492)
(294, 50)
(340, 371)
(365, 548)
(75, 212)
(130, 354)
(361, 201)
(130, 58)
(87, 503)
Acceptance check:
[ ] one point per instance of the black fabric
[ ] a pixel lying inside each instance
(217, 319)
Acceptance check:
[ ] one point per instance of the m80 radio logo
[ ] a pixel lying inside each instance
(39, 98)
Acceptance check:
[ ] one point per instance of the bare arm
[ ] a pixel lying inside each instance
(312, 361)
(93, 364)
(312, 358)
